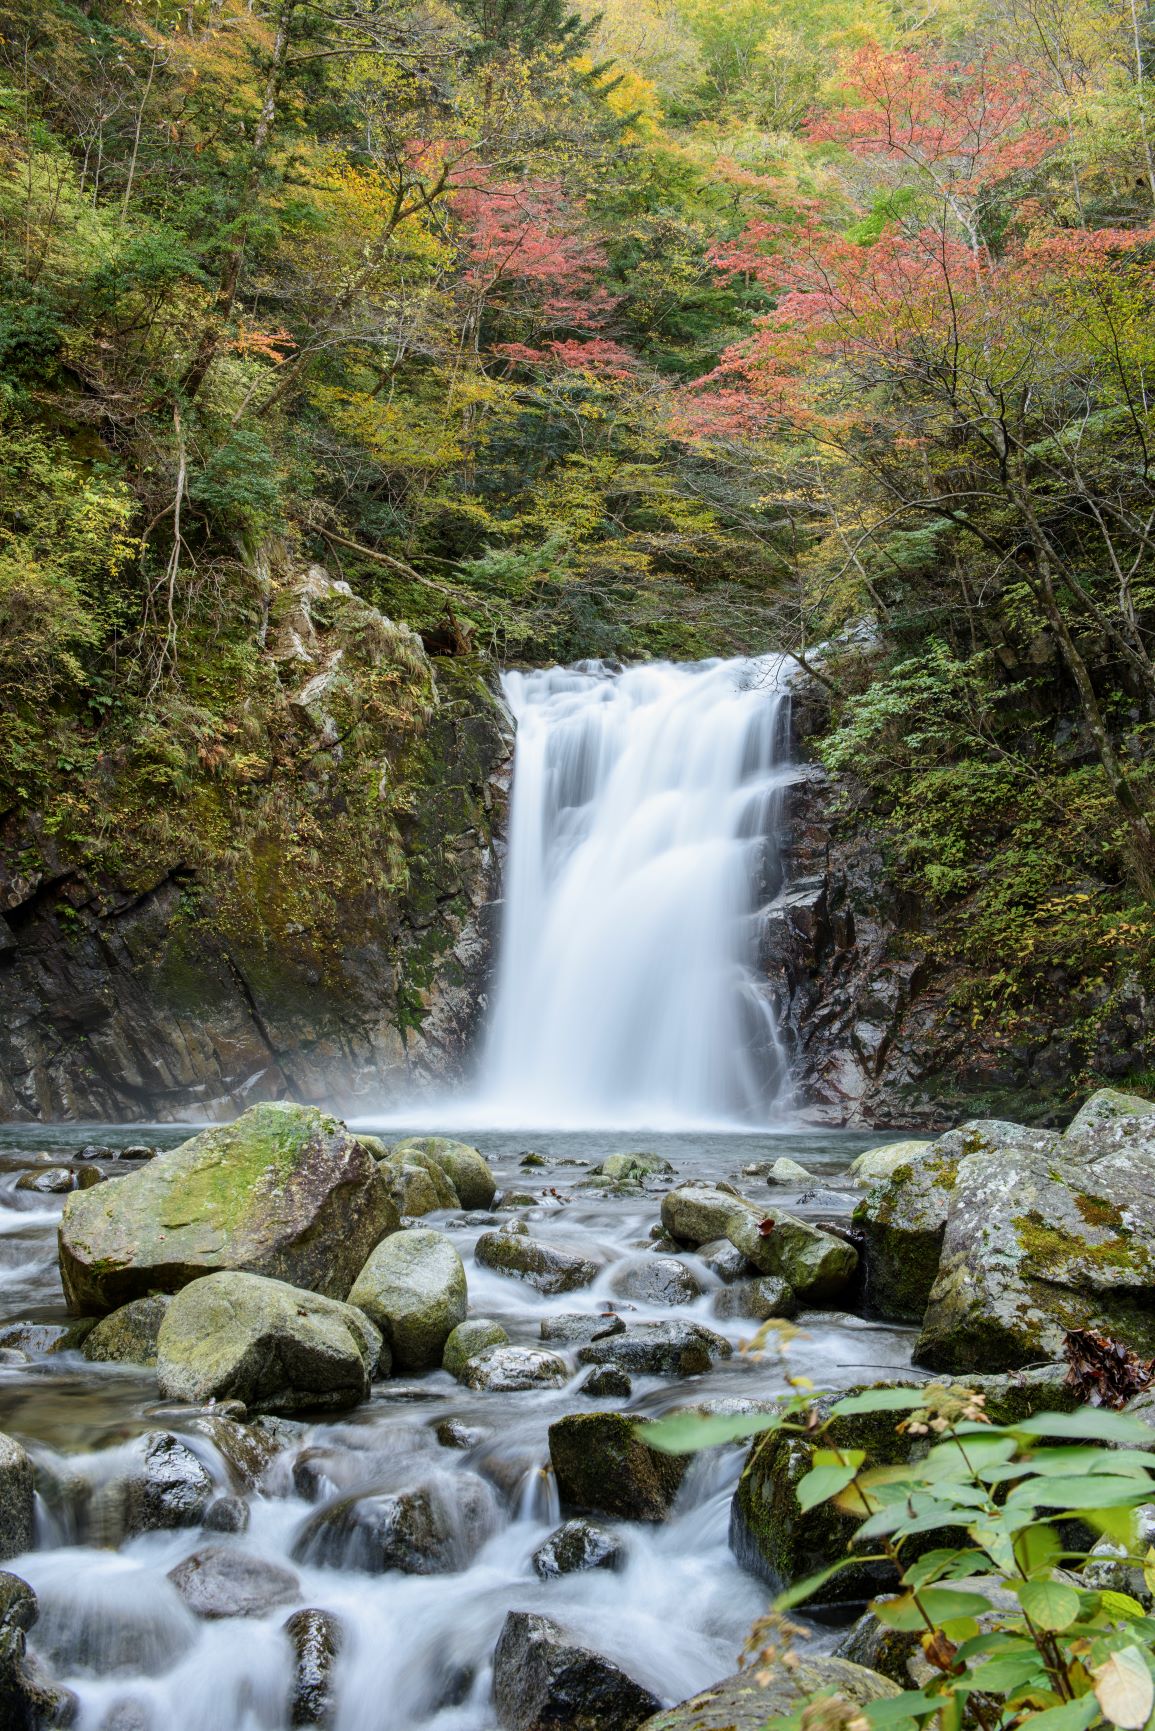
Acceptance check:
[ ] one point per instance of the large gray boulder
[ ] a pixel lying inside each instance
(876, 1164)
(545, 1680)
(903, 1217)
(270, 1345)
(413, 1288)
(603, 1466)
(655, 1280)
(464, 1166)
(753, 1699)
(468, 1339)
(17, 1499)
(546, 1267)
(1037, 1243)
(1105, 1107)
(285, 1192)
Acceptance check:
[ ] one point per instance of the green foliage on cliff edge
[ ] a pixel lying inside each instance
(675, 329)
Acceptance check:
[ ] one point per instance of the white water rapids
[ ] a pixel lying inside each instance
(642, 843)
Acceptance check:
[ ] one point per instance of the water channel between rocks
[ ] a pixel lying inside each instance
(417, 1650)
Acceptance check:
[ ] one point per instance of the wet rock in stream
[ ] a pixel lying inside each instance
(413, 1288)
(17, 1499)
(221, 1581)
(606, 1382)
(579, 1328)
(511, 1369)
(699, 1213)
(575, 1546)
(169, 1489)
(603, 1465)
(465, 1167)
(284, 1191)
(435, 1529)
(656, 1280)
(544, 1680)
(659, 1349)
(545, 1267)
(129, 1335)
(758, 1299)
(317, 1638)
(753, 1699)
(29, 1701)
(468, 1339)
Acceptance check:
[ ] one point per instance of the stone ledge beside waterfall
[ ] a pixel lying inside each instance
(314, 922)
(869, 1015)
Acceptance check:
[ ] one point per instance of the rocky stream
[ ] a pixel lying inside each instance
(306, 1428)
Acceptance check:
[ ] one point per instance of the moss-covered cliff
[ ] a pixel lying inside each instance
(295, 903)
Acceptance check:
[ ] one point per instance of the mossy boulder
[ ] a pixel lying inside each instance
(902, 1220)
(129, 1335)
(547, 1267)
(603, 1466)
(697, 1213)
(413, 1288)
(753, 1699)
(464, 1166)
(468, 1338)
(417, 1185)
(1106, 1106)
(632, 1168)
(284, 1192)
(1039, 1243)
(785, 1171)
(815, 1264)
(877, 1164)
(29, 1701)
(275, 1347)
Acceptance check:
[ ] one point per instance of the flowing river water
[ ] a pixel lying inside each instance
(418, 1649)
(643, 848)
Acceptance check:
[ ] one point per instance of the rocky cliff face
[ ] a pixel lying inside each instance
(872, 1013)
(319, 927)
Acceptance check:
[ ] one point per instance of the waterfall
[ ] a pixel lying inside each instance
(642, 845)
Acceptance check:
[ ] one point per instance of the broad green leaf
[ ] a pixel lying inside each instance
(880, 1400)
(1037, 1549)
(1049, 1604)
(684, 1433)
(999, 1676)
(1087, 1491)
(803, 1590)
(940, 1604)
(823, 1482)
(911, 1704)
(1098, 1423)
(946, 1565)
(1125, 1689)
(1121, 1605)
(1069, 1716)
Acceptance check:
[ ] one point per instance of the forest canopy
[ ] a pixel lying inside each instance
(658, 327)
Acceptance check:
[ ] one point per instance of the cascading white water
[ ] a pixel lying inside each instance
(642, 843)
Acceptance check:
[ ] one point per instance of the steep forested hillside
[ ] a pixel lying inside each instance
(669, 327)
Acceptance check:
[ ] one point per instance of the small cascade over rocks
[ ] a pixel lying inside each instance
(643, 842)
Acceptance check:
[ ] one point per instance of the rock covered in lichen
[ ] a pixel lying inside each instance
(815, 1264)
(756, 1697)
(284, 1192)
(1037, 1243)
(464, 1166)
(877, 1164)
(413, 1288)
(469, 1338)
(698, 1213)
(273, 1346)
(902, 1220)
(128, 1335)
